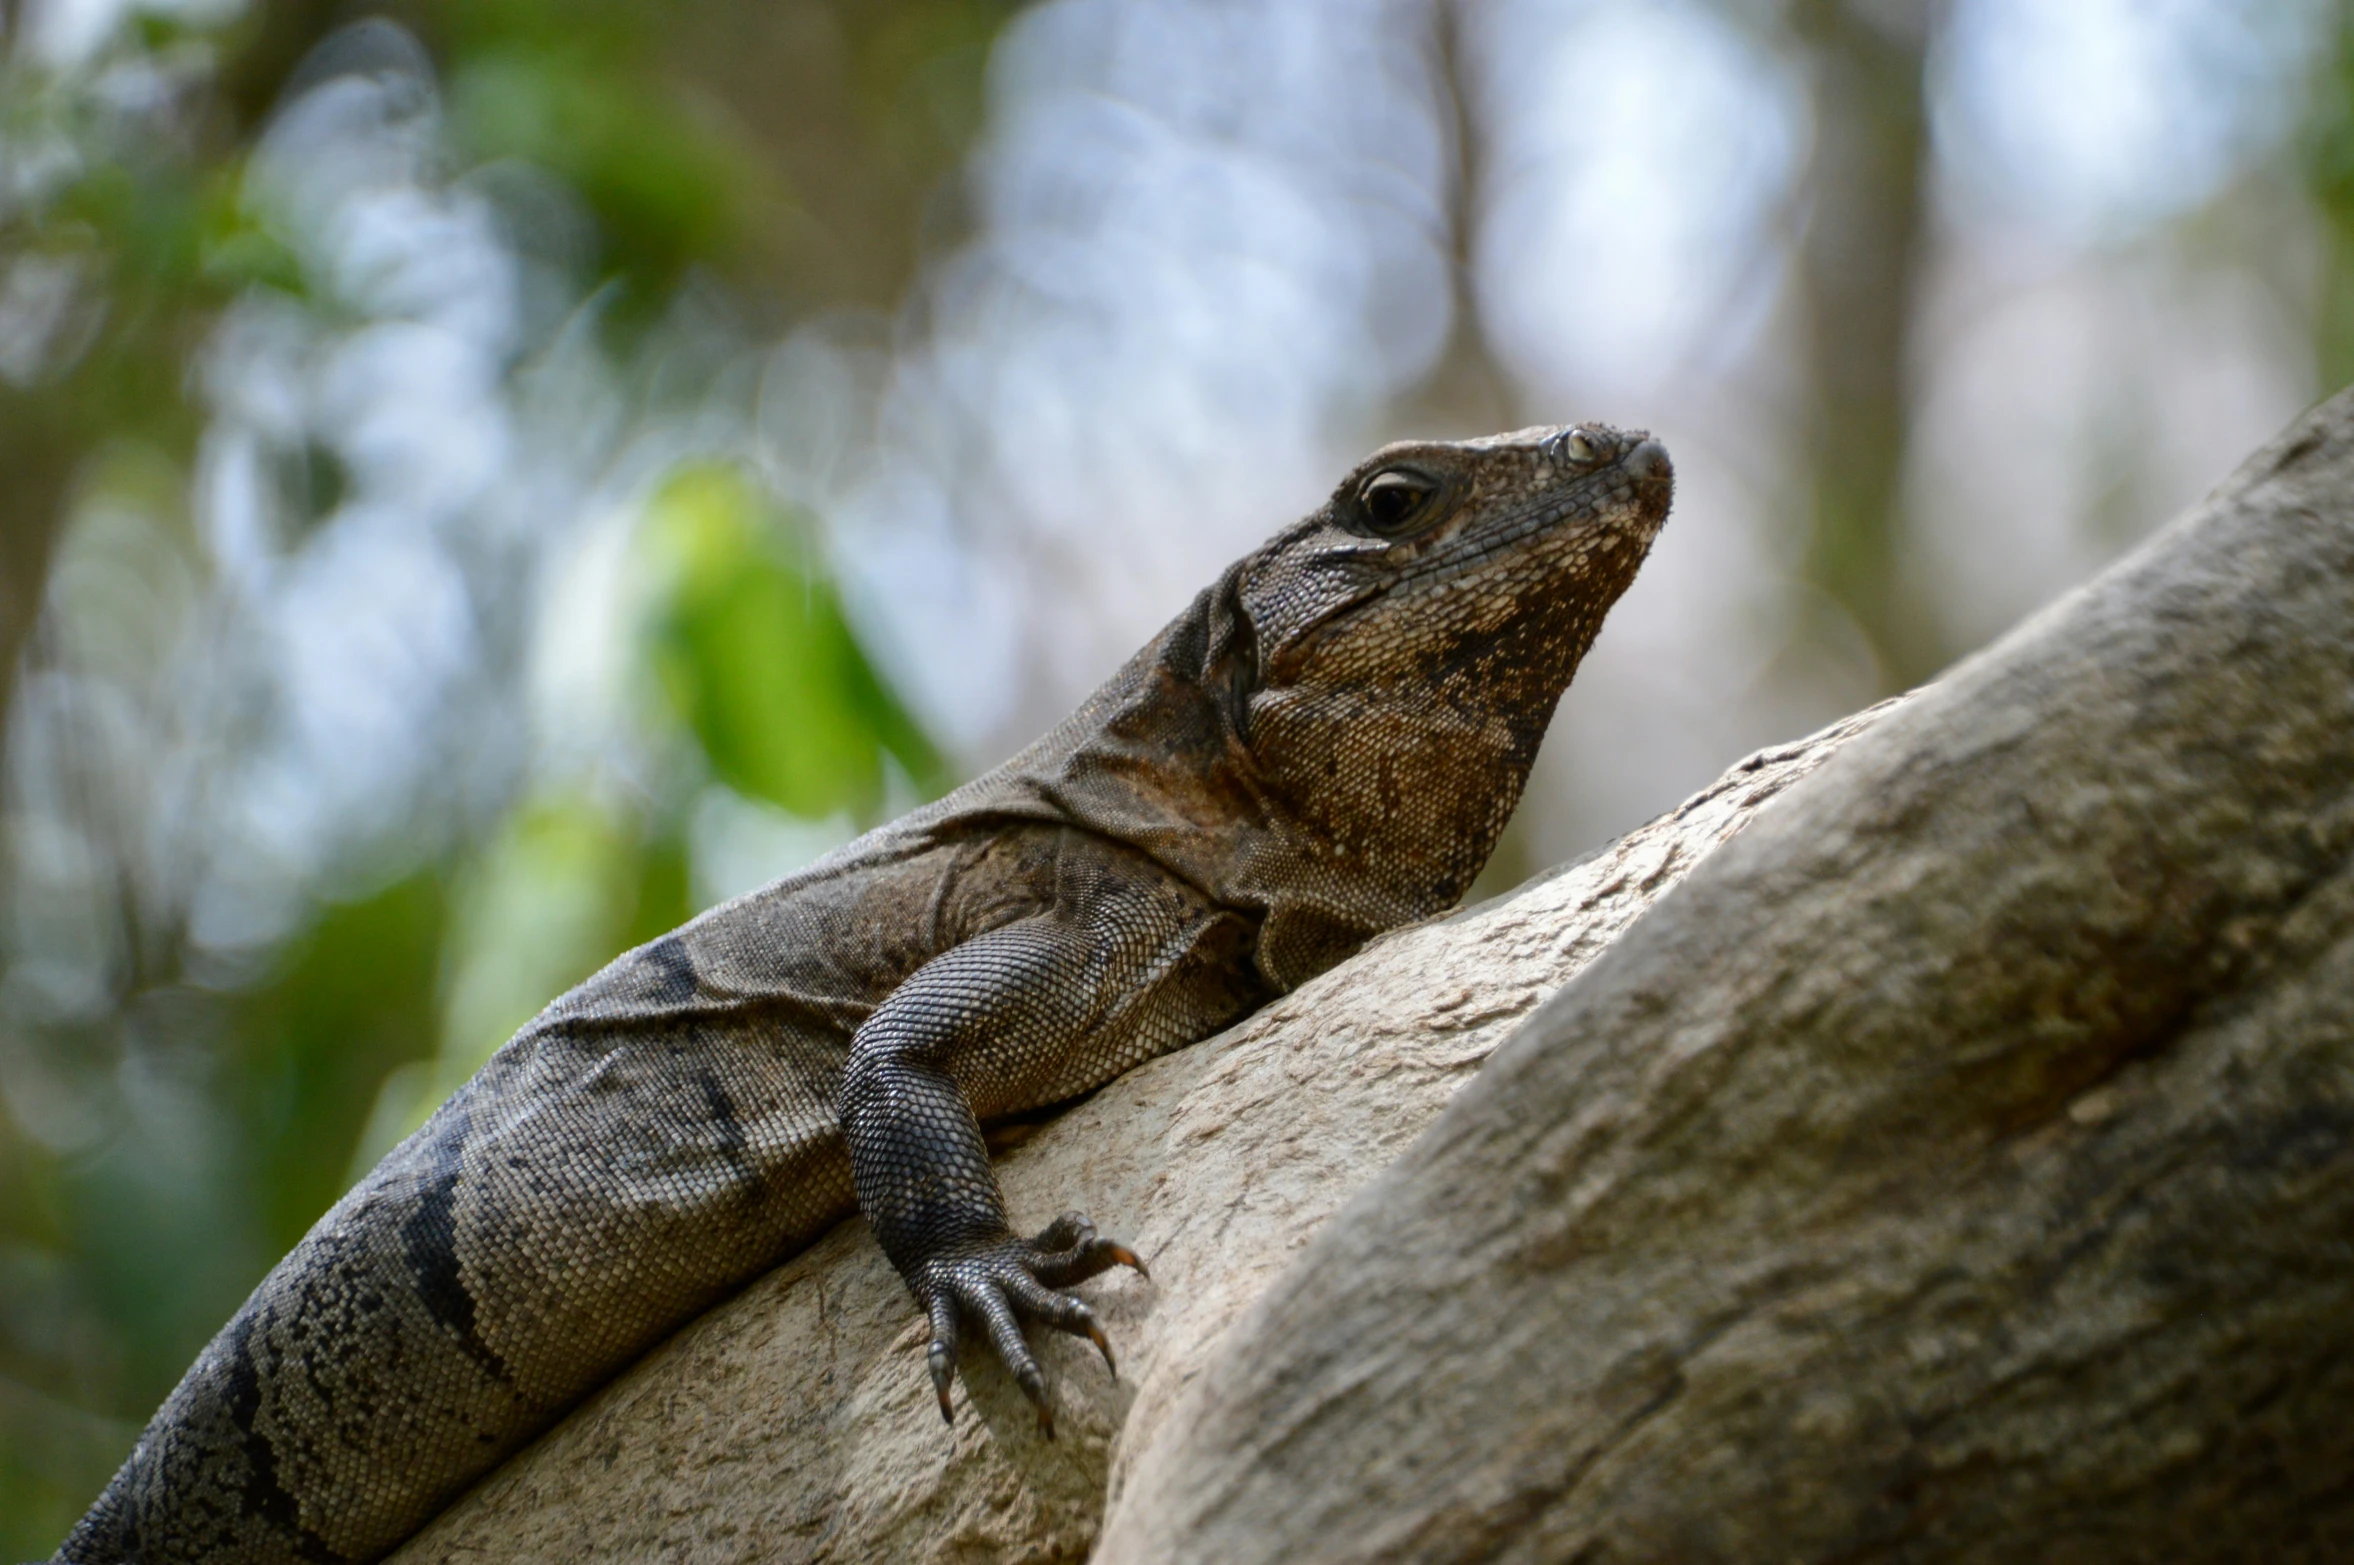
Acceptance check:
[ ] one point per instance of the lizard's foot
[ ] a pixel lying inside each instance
(1009, 1282)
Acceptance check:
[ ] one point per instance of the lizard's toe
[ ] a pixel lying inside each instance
(1069, 1250)
(1061, 1311)
(986, 1298)
(942, 1354)
(1012, 1281)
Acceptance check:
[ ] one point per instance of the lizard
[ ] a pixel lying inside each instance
(1325, 744)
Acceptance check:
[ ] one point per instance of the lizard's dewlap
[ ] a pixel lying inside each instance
(1324, 745)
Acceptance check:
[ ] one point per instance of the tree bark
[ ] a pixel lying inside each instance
(1960, 1166)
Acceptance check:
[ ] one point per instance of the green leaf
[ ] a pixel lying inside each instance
(758, 660)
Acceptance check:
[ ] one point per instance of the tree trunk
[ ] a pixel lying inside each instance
(1859, 261)
(1959, 1165)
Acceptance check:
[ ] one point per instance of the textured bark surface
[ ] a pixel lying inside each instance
(1959, 1167)
(796, 1422)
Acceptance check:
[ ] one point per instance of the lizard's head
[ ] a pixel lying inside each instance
(1481, 566)
(1408, 644)
(1352, 708)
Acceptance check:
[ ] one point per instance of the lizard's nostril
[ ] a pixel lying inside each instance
(1648, 460)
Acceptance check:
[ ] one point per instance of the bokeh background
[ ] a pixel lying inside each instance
(482, 479)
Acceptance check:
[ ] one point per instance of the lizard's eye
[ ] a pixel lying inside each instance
(1580, 447)
(1397, 501)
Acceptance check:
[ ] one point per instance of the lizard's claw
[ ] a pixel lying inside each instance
(1011, 1281)
(942, 1356)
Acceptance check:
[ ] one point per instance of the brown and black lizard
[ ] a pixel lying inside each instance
(1324, 745)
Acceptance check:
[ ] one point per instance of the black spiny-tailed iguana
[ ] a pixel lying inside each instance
(1326, 744)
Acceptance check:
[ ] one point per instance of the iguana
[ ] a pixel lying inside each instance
(1324, 745)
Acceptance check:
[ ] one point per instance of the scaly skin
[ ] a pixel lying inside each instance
(1325, 745)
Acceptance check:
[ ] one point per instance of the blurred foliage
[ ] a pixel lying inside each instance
(352, 1001)
(664, 186)
(793, 156)
(798, 149)
(109, 223)
(760, 663)
(2329, 168)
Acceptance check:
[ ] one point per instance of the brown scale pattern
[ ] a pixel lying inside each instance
(1326, 744)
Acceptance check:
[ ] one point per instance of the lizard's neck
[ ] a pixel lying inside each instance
(1327, 810)
(1391, 809)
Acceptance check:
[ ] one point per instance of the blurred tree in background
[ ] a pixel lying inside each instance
(481, 480)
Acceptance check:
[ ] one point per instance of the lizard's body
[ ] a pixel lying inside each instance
(1273, 780)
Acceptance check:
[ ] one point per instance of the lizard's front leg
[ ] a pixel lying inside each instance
(1004, 1009)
